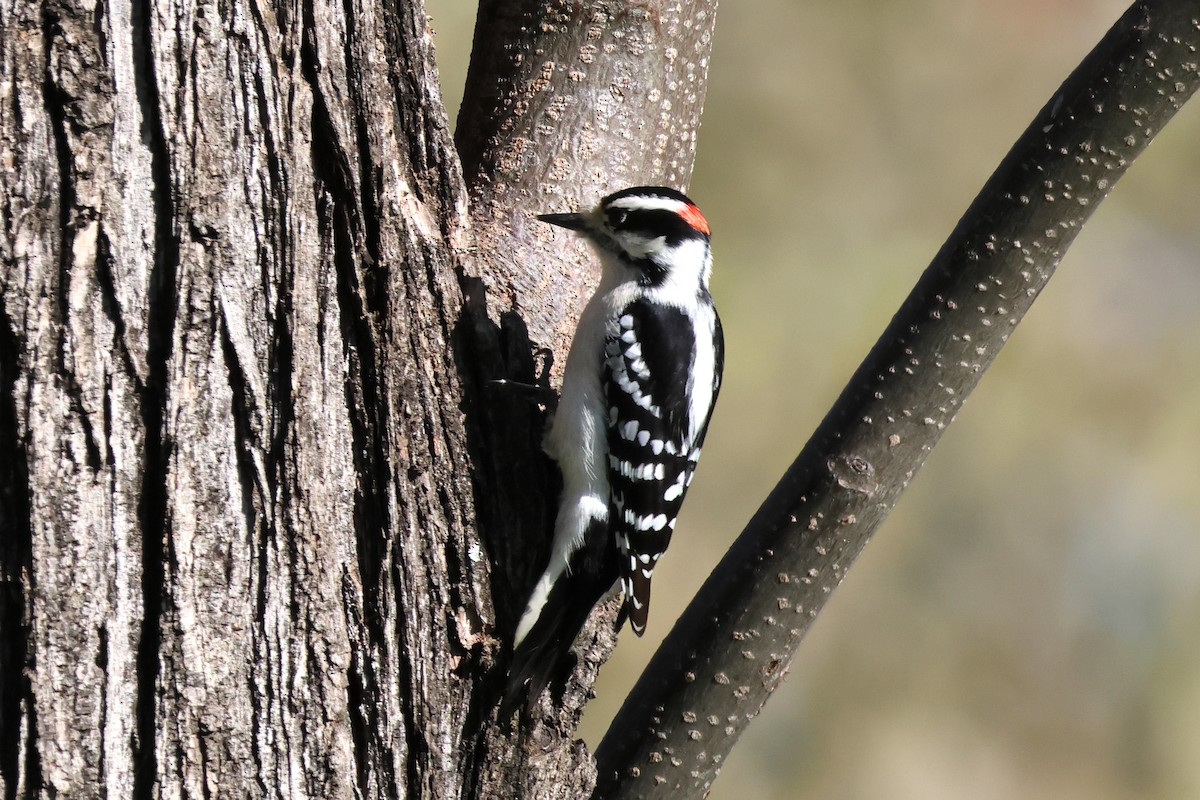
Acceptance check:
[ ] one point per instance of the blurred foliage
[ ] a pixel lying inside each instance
(1024, 625)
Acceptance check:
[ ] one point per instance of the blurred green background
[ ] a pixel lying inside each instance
(1027, 623)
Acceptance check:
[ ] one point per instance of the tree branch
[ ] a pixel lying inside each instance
(733, 645)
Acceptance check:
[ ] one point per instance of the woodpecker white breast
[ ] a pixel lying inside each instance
(638, 391)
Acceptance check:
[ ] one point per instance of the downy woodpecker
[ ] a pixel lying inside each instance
(638, 390)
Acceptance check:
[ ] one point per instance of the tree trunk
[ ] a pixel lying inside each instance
(238, 538)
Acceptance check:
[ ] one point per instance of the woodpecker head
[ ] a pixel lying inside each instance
(653, 230)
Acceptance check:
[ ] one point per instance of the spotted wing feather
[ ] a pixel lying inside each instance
(653, 445)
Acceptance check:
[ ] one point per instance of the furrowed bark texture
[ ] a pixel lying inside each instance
(237, 548)
(565, 102)
(75, 366)
(733, 645)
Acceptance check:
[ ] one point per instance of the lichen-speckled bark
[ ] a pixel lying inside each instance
(567, 101)
(733, 645)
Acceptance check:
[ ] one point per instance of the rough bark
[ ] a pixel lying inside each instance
(734, 643)
(239, 556)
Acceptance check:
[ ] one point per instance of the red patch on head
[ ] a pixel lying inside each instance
(694, 218)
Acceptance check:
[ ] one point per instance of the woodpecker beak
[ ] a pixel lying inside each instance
(573, 222)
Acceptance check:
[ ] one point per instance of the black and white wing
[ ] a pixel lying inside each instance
(661, 375)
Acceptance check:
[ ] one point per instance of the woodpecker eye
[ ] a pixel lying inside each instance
(617, 217)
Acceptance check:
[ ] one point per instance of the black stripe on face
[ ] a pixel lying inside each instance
(652, 223)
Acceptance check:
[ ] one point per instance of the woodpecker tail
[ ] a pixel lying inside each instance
(636, 587)
(542, 654)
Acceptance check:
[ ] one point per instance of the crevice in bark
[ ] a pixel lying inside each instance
(360, 686)
(102, 663)
(423, 126)
(16, 577)
(281, 363)
(203, 735)
(416, 762)
(366, 213)
(281, 401)
(163, 305)
(248, 479)
(370, 508)
(59, 109)
(339, 220)
(112, 309)
(33, 758)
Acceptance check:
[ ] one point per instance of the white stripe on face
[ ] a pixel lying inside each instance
(648, 203)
